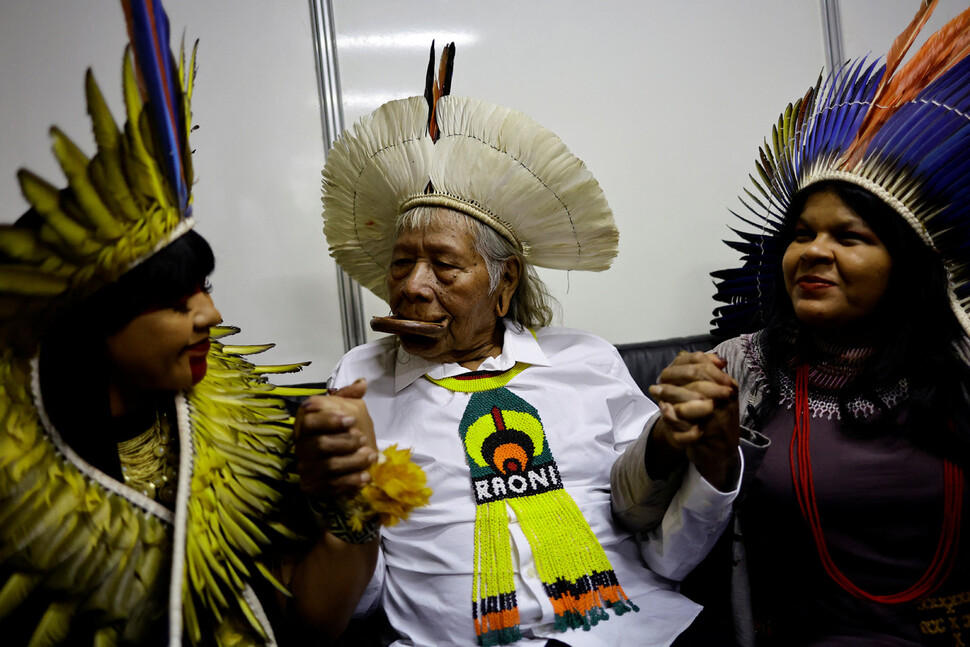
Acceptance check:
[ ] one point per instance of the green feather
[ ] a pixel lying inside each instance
(235, 560)
(186, 82)
(53, 626)
(106, 167)
(261, 369)
(16, 589)
(75, 166)
(190, 619)
(141, 172)
(106, 637)
(246, 498)
(218, 332)
(286, 532)
(22, 245)
(28, 281)
(282, 391)
(58, 228)
(246, 350)
(203, 561)
(272, 579)
(236, 535)
(47, 545)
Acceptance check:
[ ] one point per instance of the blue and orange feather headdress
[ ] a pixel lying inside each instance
(901, 131)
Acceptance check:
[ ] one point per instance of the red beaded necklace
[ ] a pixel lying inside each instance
(801, 469)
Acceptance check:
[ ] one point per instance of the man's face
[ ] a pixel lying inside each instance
(437, 276)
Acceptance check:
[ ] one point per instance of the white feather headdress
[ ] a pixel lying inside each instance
(494, 164)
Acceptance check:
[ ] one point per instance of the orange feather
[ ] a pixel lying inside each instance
(942, 50)
(442, 85)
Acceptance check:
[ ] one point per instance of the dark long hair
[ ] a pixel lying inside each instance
(918, 338)
(73, 356)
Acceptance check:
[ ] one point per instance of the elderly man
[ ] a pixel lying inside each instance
(445, 217)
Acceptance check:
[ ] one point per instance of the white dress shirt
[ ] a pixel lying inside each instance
(590, 409)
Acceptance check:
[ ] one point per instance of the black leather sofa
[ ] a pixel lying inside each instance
(647, 359)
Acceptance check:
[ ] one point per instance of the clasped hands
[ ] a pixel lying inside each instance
(699, 420)
(335, 442)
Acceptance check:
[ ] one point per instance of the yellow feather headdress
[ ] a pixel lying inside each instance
(119, 207)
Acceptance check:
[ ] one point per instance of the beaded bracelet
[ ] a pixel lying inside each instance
(335, 517)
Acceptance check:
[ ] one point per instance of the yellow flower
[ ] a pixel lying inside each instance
(397, 486)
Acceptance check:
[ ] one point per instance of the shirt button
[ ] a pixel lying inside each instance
(530, 572)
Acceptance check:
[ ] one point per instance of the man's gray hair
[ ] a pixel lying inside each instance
(532, 306)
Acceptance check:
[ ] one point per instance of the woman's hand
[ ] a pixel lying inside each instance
(335, 442)
(699, 419)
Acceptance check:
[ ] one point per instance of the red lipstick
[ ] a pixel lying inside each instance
(197, 359)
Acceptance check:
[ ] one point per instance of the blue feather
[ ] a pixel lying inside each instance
(929, 121)
(953, 81)
(948, 163)
(859, 89)
(148, 30)
(917, 130)
(840, 108)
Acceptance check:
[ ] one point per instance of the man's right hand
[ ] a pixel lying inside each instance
(335, 442)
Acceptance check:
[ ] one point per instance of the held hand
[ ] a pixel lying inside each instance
(690, 370)
(688, 391)
(699, 421)
(335, 442)
(715, 454)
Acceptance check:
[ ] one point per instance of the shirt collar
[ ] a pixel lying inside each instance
(518, 345)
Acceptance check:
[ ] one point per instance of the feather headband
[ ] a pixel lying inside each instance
(120, 206)
(491, 163)
(902, 132)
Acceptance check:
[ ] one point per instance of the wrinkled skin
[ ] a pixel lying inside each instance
(699, 420)
(437, 276)
(444, 312)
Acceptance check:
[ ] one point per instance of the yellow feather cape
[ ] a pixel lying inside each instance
(88, 544)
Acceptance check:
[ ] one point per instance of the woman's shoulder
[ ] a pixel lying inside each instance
(743, 356)
(736, 350)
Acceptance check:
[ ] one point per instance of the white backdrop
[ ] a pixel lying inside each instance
(666, 102)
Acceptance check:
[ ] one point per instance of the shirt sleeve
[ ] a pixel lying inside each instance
(336, 379)
(691, 525)
(371, 599)
(677, 520)
(640, 502)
